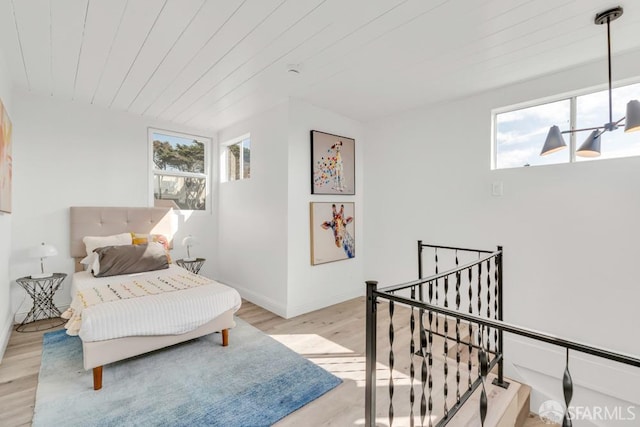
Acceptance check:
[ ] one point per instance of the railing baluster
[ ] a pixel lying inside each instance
(412, 350)
(446, 350)
(495, 303)
(423, 370)
(567, 389)
(427, 360)
(458, 276)
(371, 355)
(498, 335)
(470, 337)
(480, 289)
(391, 361)
(430, 363)
(488, 302)
(437, 293)
(484, 368)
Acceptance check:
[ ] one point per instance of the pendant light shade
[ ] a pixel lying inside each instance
(554, 142)
(632, 121)
(591, 146)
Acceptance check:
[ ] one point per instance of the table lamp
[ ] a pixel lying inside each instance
(188, 242)
(42, 251)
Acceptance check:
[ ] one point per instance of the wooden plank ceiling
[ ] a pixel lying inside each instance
(210, 63)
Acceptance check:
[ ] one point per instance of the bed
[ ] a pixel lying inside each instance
(118, 330)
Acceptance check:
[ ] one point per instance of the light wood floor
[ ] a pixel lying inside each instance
(332, 337)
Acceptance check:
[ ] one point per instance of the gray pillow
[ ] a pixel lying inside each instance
(127, 259)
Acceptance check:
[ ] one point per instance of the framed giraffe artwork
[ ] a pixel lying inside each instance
(333, 164)
(332, 231)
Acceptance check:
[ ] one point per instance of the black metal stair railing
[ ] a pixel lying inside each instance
(483, 276)
(474, 284)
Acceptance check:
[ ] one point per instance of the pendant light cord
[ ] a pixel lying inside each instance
(609, 61)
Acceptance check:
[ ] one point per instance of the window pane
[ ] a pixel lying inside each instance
(233, 162)
(235, 159)
(172, 153)
(185, 192)
(520, 135)
(246, 158)
(593, 110)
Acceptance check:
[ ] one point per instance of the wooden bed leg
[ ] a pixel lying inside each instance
(97, 378)
(225, 337)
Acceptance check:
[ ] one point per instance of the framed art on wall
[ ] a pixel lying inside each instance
(5, 160)
(332, 231)
(333, 160)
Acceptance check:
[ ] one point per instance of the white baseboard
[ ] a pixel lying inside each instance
(324, 302)
(259, 299)
(5, 333)
(285, 312)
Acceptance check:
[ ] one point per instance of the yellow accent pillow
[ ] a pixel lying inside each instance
(143, 239)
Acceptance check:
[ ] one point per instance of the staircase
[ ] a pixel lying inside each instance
(434, 346)
(507, 407)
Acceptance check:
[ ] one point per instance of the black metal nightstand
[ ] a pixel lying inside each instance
(193, 266)
(41, 291)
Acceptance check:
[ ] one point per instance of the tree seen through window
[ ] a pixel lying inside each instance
(179, 171)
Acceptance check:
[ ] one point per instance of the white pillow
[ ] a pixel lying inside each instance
(92, 263)
(94, 242)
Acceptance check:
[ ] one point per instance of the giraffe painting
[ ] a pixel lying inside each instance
(332, 232)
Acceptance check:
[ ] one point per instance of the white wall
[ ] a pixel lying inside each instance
(569, 232)
(313, 287)
(264, 221)
(70, 155)
(6, 316)
(252, 215)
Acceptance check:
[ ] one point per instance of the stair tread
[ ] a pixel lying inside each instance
(499, 400)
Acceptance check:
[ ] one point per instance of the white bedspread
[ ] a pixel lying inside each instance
(163, 314)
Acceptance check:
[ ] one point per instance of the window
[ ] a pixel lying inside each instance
(180, 169)
(520, 133)
(235, 159)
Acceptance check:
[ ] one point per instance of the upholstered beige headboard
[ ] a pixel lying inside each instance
(105, 221)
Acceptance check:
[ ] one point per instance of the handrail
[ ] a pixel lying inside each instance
(514, 329)
(425, 245)
(401, 286)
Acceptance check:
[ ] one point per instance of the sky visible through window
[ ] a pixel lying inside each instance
(520, 134)
(173, 140)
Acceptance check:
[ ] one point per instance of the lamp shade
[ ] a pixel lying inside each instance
(554, 142)
(591, 146)
(43, 251)
(632, 121)
(189, 241)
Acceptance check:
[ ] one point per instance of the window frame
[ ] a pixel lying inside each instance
(224, 158)
(571, 138)
(207, 141)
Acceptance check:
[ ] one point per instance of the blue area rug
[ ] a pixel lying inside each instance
(255, 381)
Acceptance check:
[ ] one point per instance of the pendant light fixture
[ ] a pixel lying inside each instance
(591, 146)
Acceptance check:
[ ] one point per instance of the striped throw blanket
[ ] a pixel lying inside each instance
(134, 288)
